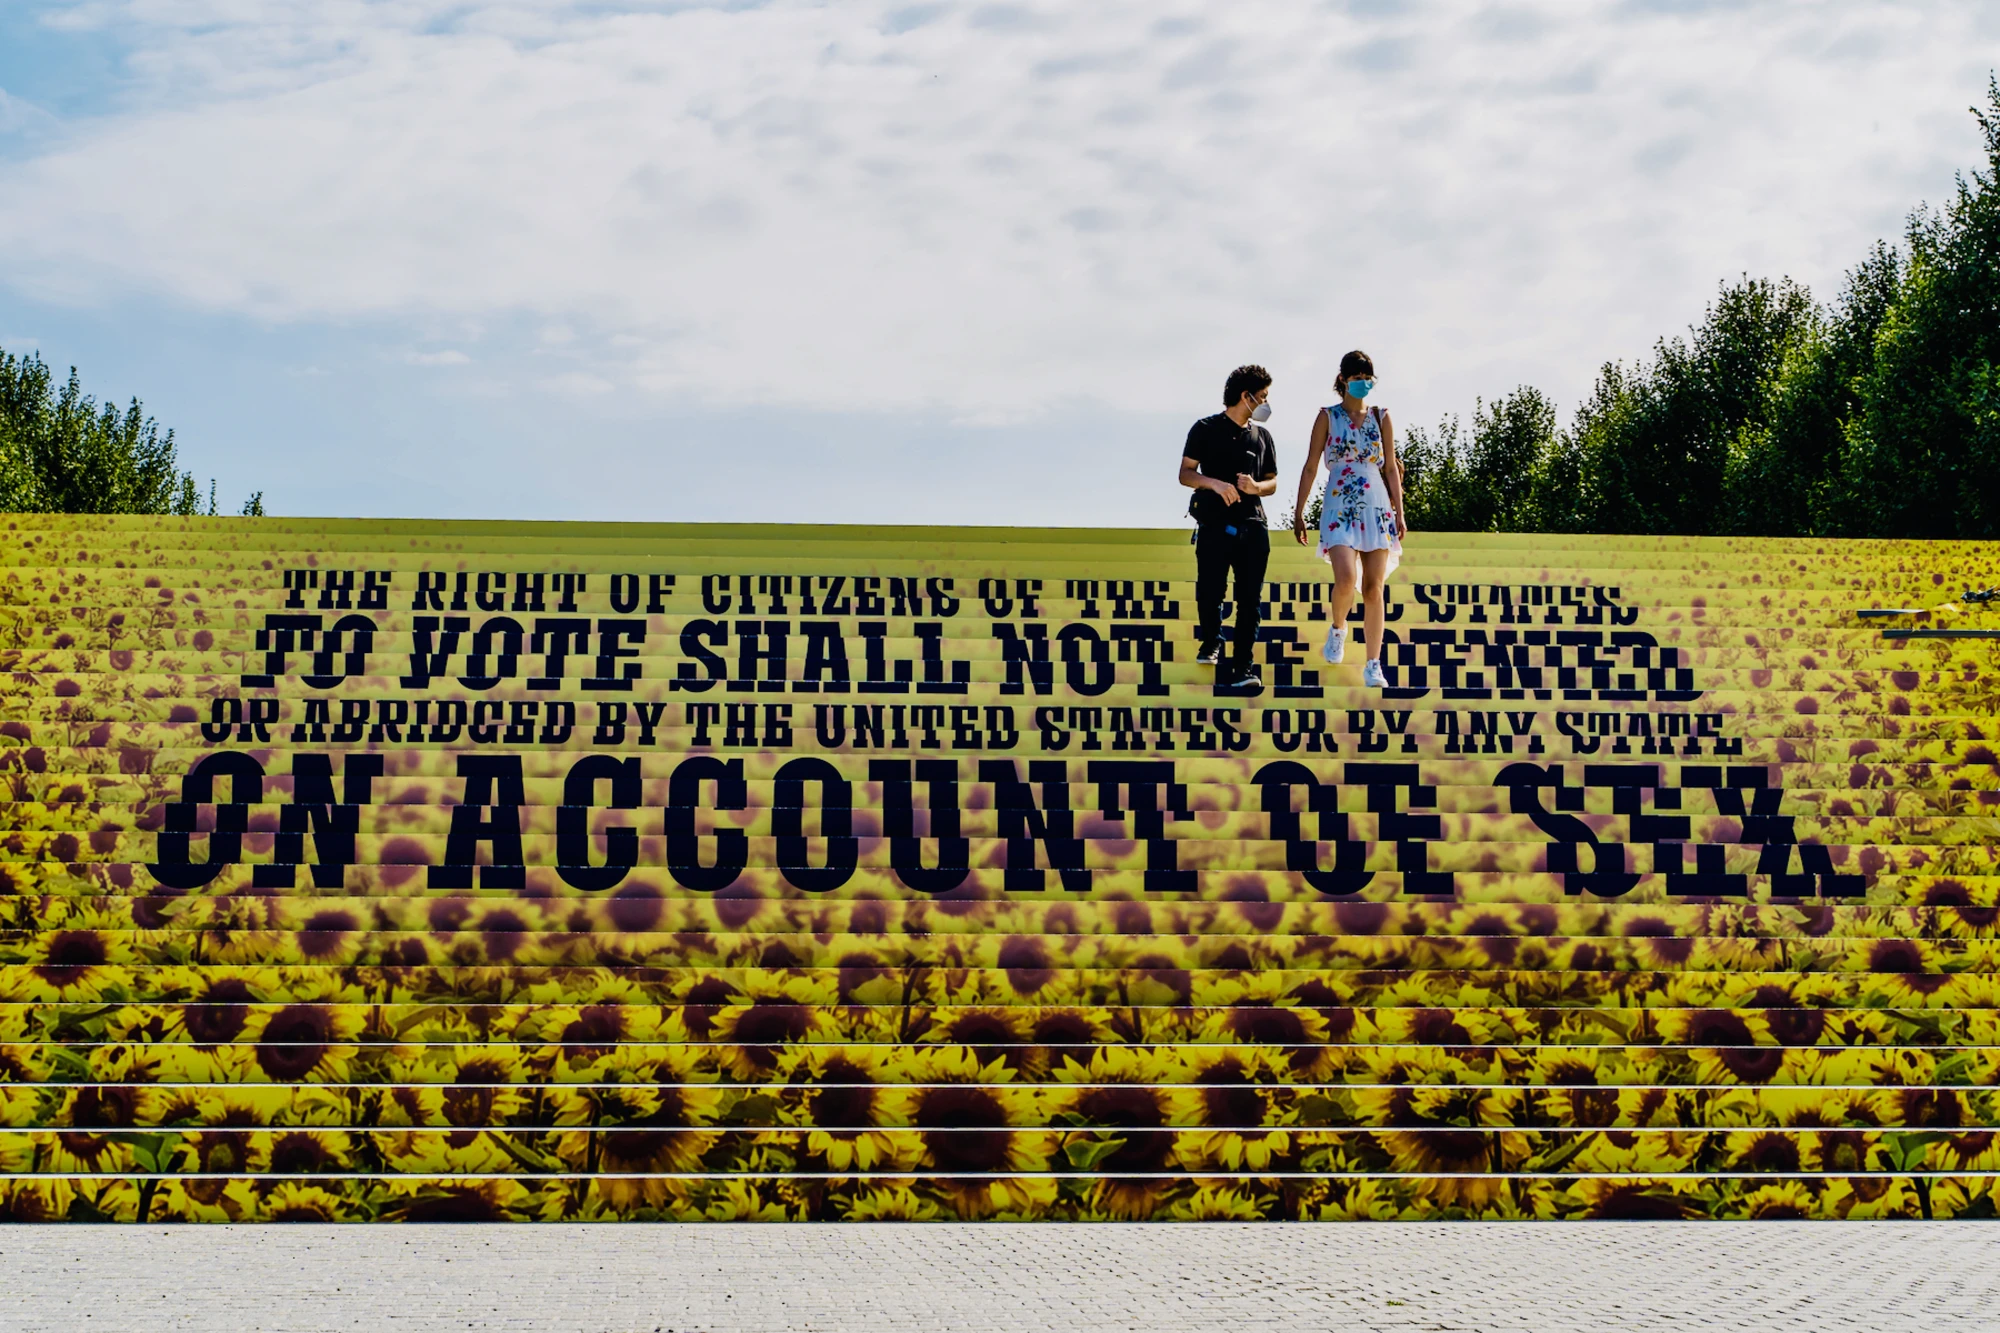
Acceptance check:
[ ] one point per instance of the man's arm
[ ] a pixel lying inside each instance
(1192, 479)
(1266, 480)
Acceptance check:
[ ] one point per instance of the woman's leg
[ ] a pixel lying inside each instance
(1346, 582)
(1374, 574)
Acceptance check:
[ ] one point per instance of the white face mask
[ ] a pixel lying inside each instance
(1261, 412)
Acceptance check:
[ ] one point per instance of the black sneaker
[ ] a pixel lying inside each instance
(1239, 680)
(1208, 654)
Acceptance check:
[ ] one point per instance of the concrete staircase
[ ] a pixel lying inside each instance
(368, 870)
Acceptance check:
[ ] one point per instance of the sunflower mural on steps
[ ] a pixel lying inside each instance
(374, 871)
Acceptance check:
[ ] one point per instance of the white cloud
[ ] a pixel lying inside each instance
(20, 116)
(984, 211)
(451, 356)
(578, 383)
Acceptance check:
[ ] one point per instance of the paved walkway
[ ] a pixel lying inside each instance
(1550, 1278)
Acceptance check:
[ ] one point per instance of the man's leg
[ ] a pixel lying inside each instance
(1253, 555)
(1212, 550)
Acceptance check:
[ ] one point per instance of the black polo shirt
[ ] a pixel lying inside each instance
(1222, 449)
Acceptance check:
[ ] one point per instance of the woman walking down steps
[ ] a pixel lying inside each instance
(1361, 524)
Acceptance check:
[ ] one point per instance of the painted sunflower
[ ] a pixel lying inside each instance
(970, 1136)
(1638, 1199)
(1958, 1196)
(1064, 1037)
(432, 1199)
(235, 1199)
(224, 1152)
(1725, 1049)
(637, 1132)
(1217, 1201)
(895, 1202)
(922, 1065)
(35, 1200)
(1628, 1152)
(19, 1106)
(312, 1152)
(758, 1034)
(991, 1034)
(1013, 1199)
(23, 1153)
(303, 1042)
(1134, 1121)
(1220, 992)
(1839, 1151)
(99, 1115)
(219, 1014)
(1868, 1198)
(1235, 1104)
(845, 1109)
(745, 1201)
(425, 1152)
(486, 1088)
(1370, 1200)
(1464, 1163)
(66, 960)
(1473, 1106)
(1778, 1201)
(1798, 1108)
(1967, 1150)
(1293, 1038)
(296, 1201)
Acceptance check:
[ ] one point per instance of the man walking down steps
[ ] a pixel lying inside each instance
(1231, 463)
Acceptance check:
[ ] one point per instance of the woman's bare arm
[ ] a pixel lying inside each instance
(1309, 474)
(1392, 473)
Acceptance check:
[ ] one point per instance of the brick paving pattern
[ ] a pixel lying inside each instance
(1428, 1277)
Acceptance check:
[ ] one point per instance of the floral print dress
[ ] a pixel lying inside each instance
(1355, 510)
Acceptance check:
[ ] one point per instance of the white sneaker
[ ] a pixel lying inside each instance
(1336, 645)
(1371, 676)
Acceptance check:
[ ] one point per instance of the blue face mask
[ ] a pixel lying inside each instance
(1360, 388)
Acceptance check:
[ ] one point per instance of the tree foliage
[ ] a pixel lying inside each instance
(1476, 484)
(1877, 415)
(63, 452)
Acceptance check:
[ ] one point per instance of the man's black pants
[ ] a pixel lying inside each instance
(1218, 553)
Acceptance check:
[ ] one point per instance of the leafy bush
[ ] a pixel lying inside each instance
(63, 452)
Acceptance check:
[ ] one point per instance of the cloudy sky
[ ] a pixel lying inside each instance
(907, 262)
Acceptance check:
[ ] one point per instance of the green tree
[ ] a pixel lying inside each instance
(1433, 477)
(1514, 442)
(1784, 475)
(63, 452)
(1654, 442)
(1495, 481)
(1875, 416)
(1923, 448)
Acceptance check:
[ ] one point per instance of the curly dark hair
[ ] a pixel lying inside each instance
(1242, 380)
(1354, 363)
